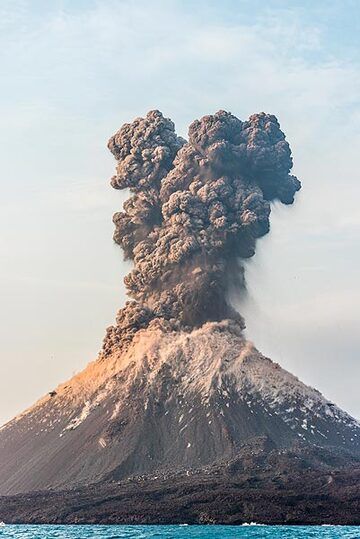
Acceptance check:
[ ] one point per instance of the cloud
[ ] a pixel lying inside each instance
(73, 72)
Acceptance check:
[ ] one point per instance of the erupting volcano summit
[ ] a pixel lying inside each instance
(198, 208)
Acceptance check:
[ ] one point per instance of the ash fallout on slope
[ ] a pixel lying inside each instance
(197, 209)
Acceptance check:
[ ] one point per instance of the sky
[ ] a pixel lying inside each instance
(73, 71)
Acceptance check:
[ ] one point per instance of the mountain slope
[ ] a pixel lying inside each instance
(171, 401)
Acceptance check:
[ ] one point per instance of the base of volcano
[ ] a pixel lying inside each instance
(298, 486)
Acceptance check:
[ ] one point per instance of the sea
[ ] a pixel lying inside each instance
(177, 532)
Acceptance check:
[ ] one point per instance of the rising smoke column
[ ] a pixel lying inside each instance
(197, 209)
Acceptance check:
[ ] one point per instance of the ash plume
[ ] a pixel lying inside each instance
(197, 209)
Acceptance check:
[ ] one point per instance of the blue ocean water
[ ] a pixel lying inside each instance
(178, 532)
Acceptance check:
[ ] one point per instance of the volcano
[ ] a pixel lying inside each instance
(180, 418)
(170, 402)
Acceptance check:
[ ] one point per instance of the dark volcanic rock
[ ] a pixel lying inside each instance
(301, 486)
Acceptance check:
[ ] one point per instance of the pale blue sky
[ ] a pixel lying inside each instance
(73, 71)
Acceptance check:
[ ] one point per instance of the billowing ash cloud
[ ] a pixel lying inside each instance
(196, 211)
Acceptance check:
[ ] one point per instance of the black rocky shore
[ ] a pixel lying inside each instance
(300, 486)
